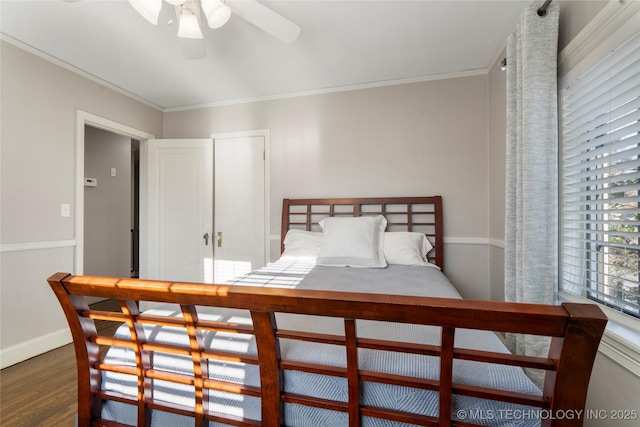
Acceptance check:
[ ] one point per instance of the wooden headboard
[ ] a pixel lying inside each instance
(418, 214)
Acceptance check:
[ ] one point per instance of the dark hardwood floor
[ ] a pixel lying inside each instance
(42, 391)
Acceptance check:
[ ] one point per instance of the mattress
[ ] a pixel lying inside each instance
(304, 274)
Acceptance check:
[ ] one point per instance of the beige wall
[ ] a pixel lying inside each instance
(38, 135)
(497, 180)
(412, 139)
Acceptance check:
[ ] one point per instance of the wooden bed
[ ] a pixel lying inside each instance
(575, 331)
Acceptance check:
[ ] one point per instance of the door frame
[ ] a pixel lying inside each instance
(267, 182)
(87, 119)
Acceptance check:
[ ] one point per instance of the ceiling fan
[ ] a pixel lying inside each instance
(217, 13)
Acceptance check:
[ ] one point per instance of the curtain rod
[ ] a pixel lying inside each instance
(542, 11)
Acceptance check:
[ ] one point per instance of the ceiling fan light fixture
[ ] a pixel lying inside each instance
(188, 26)
(217, 13)
(148, 9)
(175, 2)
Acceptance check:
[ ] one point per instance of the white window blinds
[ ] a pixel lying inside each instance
(600, 192)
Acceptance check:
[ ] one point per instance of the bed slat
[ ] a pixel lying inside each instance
(446, 376)
(143, 362)
(353, 372)
(264, 324)
(200, 365)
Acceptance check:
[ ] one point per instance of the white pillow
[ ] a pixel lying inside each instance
(301, 244)
(406, 248)
(353, 242)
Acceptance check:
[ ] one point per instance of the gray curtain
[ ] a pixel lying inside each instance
(531, 232)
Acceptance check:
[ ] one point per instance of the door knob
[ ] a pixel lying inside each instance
(206, 239)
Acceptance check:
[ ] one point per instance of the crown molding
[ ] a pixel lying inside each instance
(384, 83)
(346, 88)
(609, 19)
(43, 55)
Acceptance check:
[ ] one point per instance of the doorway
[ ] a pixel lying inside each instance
(141, 231)
(111, 166)
(136, 189)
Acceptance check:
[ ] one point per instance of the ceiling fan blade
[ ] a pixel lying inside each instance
(266, 19)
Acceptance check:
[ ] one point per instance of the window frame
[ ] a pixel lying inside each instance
(611, 27)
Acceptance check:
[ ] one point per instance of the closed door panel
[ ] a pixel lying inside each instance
(180, 210)
(239, 206)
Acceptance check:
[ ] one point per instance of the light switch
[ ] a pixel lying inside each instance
(65, 210)
(113, 171)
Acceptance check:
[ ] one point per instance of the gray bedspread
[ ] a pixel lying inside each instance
(302, 274)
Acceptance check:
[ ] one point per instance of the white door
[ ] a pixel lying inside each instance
(240, 204)
(179, 244)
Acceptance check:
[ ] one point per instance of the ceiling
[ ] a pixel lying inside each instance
(342, 44)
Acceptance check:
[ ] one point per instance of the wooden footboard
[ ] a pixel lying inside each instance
(575, 331)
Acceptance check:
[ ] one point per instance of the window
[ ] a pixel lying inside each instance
(600, 191)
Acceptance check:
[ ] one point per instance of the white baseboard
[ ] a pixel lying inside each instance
(28, 349)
